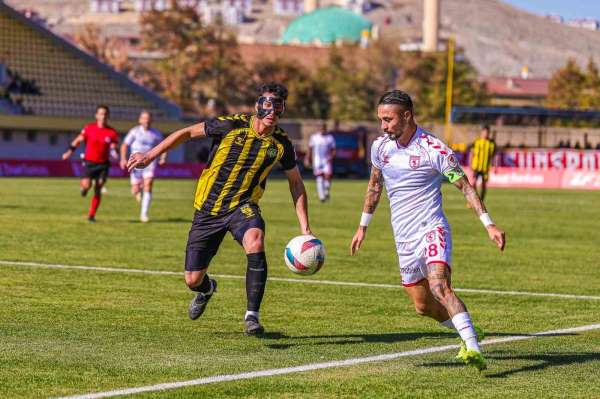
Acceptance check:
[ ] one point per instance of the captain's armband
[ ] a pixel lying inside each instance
(454, 174)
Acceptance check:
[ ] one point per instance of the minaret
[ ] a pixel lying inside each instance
(431, 24)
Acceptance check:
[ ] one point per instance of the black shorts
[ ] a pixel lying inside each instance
(207, 233)
(96, 171)
(477, 174)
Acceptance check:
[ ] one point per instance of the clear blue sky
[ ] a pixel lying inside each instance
(568, 9)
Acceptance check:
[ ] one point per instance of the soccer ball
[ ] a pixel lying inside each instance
(304, 255)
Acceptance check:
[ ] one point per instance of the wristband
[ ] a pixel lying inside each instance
(365, 219)
(486, 219)
(72, 148)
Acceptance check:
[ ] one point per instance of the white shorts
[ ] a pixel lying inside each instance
(414, 256)
(322, 168)
(137, 176)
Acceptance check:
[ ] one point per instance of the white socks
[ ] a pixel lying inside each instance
(251, 313)
(321, 188)
(464, 327)
(326, 186)
(448, 324)
(146, 200)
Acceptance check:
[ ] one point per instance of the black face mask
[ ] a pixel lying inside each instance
(268, 105)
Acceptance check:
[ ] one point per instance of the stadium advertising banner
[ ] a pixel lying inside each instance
(53, 168)
(542, 178)
(551, 159)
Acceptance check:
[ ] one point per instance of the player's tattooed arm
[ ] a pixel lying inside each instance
(494, 232)
(471, 195)
(374, 190)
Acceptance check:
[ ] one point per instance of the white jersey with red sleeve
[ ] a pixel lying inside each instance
(413, 177)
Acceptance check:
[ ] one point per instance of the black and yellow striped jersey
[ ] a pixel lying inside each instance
(482, 154)
(240, 161)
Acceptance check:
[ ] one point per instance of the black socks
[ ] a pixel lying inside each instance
(204, 286)
(256, 277)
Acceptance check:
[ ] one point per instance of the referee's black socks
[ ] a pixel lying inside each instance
(256, 277)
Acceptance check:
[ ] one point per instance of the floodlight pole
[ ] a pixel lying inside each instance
(449, 83)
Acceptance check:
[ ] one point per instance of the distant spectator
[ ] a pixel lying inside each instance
(568, 143)
(577, 145)
(561, 144)
(483, 150)
(598, 146)
(586, 143)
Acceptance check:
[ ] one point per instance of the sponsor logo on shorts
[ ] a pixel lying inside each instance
(409, 269)
(247, 211)
(414, 161)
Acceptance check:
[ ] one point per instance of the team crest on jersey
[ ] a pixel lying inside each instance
(452, 161)
(414, 161)
(247, 211)
(107, 139)
(239, 140)
(272, 152)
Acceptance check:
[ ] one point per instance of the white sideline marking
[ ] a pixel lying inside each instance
(292, 280)
(316, 366)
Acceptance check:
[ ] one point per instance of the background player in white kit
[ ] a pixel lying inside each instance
(142, 138)
(412, 163)
(321, 153)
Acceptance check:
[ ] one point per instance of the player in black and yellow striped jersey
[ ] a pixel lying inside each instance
(483, 150)
(244, 150)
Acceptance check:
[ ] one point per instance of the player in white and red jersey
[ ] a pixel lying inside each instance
(142, 138)
(321, 153)
(412, 163)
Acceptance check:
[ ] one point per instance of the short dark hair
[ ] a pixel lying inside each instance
(397, 97)
(102, 106)
(486, 127)
(273, 87)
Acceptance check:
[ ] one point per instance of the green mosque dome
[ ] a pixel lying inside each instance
(326, 26)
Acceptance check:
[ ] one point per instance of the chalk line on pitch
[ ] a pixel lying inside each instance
(291, 280)
(318, 366)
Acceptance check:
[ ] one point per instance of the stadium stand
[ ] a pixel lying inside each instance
(69, 82)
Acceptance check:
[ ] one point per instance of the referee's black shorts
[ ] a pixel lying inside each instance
(96, 171)
(207, 233)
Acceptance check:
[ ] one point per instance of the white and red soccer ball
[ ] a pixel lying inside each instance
(304, 255)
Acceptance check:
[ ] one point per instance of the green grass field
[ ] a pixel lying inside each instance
(73, 332)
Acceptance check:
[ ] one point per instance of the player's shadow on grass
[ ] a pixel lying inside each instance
(10, 206)
(542, 361)
(353, 339)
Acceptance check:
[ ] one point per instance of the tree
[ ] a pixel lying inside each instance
(198, 62)
(307, 96)
(350, 85)
(590, 95)
(565, 86)
(425, 76)
(105, 49)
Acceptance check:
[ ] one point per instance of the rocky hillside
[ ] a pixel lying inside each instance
(498, 38)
